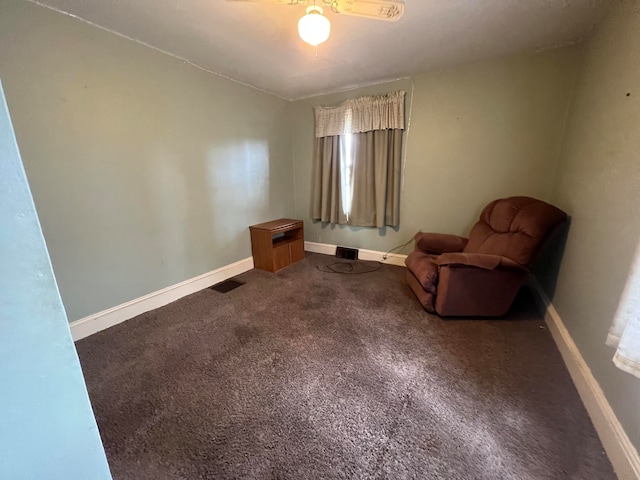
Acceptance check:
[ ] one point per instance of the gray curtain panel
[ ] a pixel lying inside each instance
(375, 179)
(327, 181)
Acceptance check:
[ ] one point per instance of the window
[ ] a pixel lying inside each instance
(357, 160)
(346, 166)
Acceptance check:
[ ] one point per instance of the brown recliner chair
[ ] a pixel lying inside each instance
(480, 276)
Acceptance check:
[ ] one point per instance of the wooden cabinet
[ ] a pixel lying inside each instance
(277, 244)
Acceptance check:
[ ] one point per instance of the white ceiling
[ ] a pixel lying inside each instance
(258, 44)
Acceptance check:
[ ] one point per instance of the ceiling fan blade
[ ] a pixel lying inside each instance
(388, 10)
(279, 2)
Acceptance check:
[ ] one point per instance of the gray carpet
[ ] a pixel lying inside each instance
(304, 375)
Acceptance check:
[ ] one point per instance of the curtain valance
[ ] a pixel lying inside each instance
(363, 114)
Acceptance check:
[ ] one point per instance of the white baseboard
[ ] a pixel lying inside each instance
(107, 318)
(623, 455)
(323, 248)
(372, 255)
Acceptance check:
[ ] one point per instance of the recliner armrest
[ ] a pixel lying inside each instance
(480, 260)
(437, 243)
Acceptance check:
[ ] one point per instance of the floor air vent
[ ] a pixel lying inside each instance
(348, 253)
(226, 286)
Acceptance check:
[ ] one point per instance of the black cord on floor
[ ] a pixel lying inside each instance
(348, 268)
(384, 257)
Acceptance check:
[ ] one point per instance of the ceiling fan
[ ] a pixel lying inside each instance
(314, 28)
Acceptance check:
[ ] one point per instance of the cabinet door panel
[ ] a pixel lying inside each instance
(280, 257)
(297, 250)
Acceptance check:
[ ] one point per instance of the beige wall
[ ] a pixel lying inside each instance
(598, 184)
(145, 171)
(477, 132)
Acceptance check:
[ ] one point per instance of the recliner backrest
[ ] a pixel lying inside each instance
(513, 227)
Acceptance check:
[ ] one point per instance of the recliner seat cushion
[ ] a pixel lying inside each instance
(425, 268)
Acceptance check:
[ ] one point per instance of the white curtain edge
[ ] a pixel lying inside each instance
(627, 365)
(624, 333)
(613, 340)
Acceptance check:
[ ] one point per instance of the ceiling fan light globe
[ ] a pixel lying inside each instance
(314, 28)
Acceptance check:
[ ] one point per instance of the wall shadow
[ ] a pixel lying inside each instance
(546, 266)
